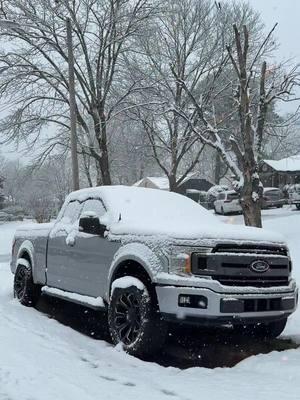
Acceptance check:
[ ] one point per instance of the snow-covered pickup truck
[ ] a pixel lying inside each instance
(149, 257)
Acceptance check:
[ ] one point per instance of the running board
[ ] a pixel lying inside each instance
(92, 302)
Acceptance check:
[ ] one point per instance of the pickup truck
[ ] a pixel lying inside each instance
(149, 257)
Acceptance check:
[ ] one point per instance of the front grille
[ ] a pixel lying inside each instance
(251, 249)
(246, 265)
(252, 281)
(238, 305)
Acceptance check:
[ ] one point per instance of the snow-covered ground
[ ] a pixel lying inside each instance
(41, 359)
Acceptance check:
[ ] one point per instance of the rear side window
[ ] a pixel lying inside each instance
(71, 212)
(94, 205)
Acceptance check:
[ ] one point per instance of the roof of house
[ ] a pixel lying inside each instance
(289, 164)
(162, 182)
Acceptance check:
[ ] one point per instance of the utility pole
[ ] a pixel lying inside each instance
(72, 101)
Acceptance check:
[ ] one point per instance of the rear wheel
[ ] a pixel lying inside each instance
(25, 290)
(262, 331)
(134, 320)
(298, 206)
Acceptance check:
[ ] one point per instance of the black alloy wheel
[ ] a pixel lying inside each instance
(134, 320)
(25, 290)
(20, 282)
(127, 317)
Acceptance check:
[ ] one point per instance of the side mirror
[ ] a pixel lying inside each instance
(90, 223)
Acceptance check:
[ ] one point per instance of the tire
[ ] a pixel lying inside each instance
(298, 206)
(222, 211)
(262, 331)
(134, 320)
(25, 290)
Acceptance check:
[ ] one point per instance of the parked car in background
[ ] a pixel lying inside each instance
(273, 197)
(227, 203)
(213, 193)
(294, 195)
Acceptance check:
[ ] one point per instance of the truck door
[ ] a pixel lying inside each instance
(85, 259)
(93, 255)
(60, 255)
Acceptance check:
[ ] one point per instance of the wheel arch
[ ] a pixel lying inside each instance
(25, 252)
(135, 260)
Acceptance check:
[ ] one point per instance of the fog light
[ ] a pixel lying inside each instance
(192, 301)
(202, 303)
(184, 300)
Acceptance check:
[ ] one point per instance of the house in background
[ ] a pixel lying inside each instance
(278, 173)
(191, 184)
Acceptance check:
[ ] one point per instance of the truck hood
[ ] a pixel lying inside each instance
(216, 231)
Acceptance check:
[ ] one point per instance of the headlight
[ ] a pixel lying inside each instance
(180, 258)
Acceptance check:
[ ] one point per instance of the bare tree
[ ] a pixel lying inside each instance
(182, 37)
(255, 88)
(34, 70)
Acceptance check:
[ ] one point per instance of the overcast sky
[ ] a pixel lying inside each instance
(287, 14)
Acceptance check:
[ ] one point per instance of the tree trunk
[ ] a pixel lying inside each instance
(218, 165)
(103, 159)
(251, 202)
(172, 183)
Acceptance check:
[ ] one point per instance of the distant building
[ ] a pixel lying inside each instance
(192, 183)
(278, 173)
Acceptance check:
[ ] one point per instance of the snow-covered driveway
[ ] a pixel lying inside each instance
(41, 359)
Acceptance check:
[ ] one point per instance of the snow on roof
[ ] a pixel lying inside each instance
(150, 212)
(289, 164)
(162, 182)
(159, 181)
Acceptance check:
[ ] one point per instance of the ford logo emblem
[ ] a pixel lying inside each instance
(259, 266)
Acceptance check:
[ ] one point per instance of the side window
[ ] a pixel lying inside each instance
(221, 196)
(71, 213)
(95, 206)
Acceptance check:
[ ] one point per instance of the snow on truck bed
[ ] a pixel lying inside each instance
(144, 211)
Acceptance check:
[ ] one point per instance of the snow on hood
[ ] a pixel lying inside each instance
(143, 211)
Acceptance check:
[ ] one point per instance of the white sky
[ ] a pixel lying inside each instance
(287, 14)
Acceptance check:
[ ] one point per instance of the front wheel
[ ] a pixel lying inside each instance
(263, 331)
(25, 290)
(133, 318)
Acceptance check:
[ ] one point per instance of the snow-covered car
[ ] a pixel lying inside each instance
(148, 257)
(294, 195)
(227, 203)
(273, 197)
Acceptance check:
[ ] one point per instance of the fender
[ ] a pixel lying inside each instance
(139, 253)
(26, 246)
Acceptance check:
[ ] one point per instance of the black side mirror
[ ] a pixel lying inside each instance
(91, 224)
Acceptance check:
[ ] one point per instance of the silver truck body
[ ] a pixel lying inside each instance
(241, 274)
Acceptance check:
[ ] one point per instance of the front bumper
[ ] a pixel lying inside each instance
(222, 308)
